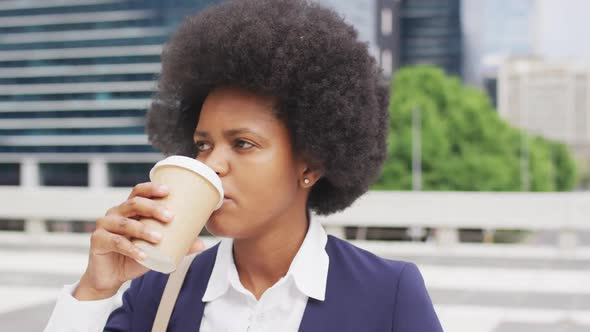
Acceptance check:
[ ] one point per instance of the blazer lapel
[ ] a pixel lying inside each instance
(313, 318)
(188, 311)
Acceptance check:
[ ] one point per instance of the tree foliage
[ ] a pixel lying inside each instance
(465, 145)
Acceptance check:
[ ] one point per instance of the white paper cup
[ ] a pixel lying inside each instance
(195, 193)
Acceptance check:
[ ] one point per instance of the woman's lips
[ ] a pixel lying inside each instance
(227, 197)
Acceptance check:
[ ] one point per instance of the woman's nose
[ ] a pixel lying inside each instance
(217, 160)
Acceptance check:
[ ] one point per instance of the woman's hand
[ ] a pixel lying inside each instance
(112, 254)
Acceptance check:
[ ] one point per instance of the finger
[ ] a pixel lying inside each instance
(104, 242)
(141, 206)
(129, 228)
(149, 189)
(197, 246)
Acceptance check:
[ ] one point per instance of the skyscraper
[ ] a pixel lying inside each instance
(407, 32)
(76, 77)
(430, 32)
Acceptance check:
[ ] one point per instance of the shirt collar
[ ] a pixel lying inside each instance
(220, 276)
(309, 268)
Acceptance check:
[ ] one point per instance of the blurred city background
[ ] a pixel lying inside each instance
(486, 186)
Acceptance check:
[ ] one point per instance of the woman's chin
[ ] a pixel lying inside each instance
(220, 225)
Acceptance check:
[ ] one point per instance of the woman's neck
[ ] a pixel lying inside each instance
(263, 260)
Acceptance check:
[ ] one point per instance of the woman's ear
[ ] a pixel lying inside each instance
(309, 177)
(309, 171)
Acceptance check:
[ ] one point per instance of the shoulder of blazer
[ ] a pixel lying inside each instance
(349, 256)
(392, 291)
(361, 291)
(375, 279)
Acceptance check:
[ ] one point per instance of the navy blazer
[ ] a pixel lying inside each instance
(364, 293)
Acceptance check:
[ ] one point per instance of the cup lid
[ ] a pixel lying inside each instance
(195, 166)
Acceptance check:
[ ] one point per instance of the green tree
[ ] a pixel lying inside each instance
(465, 145)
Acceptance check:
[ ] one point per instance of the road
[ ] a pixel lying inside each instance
(475, 291)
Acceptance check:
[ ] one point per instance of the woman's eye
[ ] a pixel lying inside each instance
(202, 146)
(244, 144)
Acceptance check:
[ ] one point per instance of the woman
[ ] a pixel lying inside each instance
(280, 99)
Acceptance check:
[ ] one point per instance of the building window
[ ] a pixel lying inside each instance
(9, 174)
(386, 21)
(12, 224)
(62, 174)
(128, 174)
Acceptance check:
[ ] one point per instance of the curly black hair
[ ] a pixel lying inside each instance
(328, 89)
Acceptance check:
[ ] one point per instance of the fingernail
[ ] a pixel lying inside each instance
(163, 188)
(168, 215)
(156, 236)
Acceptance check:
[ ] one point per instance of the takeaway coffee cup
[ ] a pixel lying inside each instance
(195, 192)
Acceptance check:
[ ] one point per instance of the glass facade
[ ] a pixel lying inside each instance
(57, 174)
(406, 32)
(9, 174)
(430, 32)
(73, 59)
(127, 174)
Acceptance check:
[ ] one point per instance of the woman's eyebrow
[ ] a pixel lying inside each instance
(201, 134)
(227, 133)
(235, 132)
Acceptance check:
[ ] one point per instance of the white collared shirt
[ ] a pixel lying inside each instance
(229, 305)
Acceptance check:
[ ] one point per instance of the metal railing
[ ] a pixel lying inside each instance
(444, 212)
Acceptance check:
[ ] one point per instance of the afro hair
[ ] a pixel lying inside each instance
(328, 89)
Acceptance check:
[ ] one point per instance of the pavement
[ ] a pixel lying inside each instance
(494, 289)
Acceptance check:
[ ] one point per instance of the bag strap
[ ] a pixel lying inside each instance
(171, 294)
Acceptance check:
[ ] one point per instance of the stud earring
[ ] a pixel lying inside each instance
(306, 181)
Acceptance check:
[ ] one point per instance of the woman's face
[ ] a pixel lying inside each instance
(241, 139)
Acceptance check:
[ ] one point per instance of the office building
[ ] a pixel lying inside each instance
(407, 32)
(550, 99)
(76, 77)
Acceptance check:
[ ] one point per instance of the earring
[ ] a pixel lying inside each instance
(306, 181)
